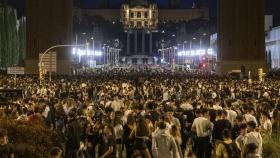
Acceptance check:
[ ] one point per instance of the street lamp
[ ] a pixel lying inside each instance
(45, 52)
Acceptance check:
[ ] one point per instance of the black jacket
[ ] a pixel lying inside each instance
(73, 134)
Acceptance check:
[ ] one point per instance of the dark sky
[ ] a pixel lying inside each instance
(272, 6)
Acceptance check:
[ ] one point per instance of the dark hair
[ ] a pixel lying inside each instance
(252, 124)
(224, 112)
(142, 128)
(162, 125)
(219, 112)
(226, 133)
(240, 118)
(265, 114)
(243, 126)
(251, 147)
(3, 132)
(204, 111)
(130, 119)
(54, 151)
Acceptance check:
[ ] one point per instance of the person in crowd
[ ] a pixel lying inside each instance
(240, 140)
(56, 152)
(220, 125)
(128, 137)
(108, 147)
(6, 149)
(227, 148)
(236, 127)
(142, 136)
(118, 129)
(202, 127)
(266, 125)
(175, 132)
(73, 135)
(251, 151)
(253, 136)
(163, 144)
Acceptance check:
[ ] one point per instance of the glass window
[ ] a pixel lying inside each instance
(138, 14)
(146, 15)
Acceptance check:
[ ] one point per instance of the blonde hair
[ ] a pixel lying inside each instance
(174, 131)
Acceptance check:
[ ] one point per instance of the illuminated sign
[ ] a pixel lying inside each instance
(197, 52)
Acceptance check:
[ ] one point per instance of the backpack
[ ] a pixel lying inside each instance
(232, 150)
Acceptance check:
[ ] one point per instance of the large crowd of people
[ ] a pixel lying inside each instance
(147, 113)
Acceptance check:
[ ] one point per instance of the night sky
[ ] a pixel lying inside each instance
(272, 6)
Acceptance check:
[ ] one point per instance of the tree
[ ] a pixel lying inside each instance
(9, 38)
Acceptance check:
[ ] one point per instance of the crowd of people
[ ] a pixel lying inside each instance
(147, 113)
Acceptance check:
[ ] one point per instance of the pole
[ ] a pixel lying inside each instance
(76, 39)
(93, 49)
(184, 53)
(15, 79)
(43, 54)
(50, 76)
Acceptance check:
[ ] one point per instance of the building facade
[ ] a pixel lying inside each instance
(241, 37)
(49, 23)
(273, 47)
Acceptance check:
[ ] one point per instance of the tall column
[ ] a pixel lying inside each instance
(143, 41)
(151, 44)
(127, 43)
(135, 42)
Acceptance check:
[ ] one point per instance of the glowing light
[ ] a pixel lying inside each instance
(210, 51)
(82, 52)
(198, 52)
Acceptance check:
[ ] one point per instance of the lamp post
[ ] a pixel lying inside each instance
(45, 52)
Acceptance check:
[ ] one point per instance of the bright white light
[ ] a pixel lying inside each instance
(82, 52)
(210, 51)
(180, 53)
(74, 51)
(198, 52)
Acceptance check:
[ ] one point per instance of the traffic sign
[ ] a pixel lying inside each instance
(15, 70)
(49, 61)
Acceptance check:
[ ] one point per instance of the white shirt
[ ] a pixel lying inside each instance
(231, 116)
(249, 118)
(256, 138)
(116, 105)
(267, 126)
(118, 129)
(201, 126)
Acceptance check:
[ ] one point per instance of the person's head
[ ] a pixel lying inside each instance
(219, 113)
(239, 119)
(108, 130)
(142, 127)
(251, 148)
(251, 126)
(162, 125)
(3, 136)
(131, 119)
(148, 118)
(252, 111)
(174, 131)
(265, 115)
(224, 114)
(117, 121)
(226, 134)
(191, 155)
(56, 152)
(243, 129)
(167, 118)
